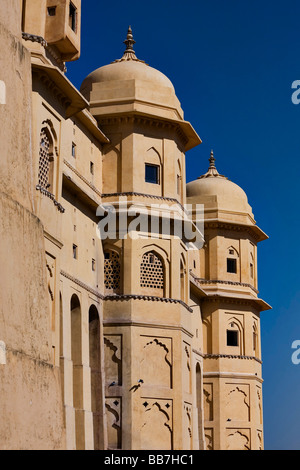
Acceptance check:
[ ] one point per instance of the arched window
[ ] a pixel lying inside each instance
(179, 179)
(199, 386)
(153, 172)
(76, 357)
(234, 336)
(182, 281)
(46, 161)
(96, 378)
(255, 336)
(112, 272)
(232, 260)
(152, 274)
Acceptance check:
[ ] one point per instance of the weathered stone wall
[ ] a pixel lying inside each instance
(31, 407)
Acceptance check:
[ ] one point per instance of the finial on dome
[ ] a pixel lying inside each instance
(129, 53)
(212, 170)
(129, 41)
(212, 160)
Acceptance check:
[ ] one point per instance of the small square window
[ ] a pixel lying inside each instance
(231, 265)
(51, 11)
(254, 341)
(75, 251)
(151, 174)
(251, 270)
(231, 252)
(178, 184)
(232, 338)
(73, 150)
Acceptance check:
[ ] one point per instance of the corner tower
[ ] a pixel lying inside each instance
(232, 380)
(146, 313)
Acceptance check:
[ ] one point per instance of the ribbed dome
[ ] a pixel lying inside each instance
(216, 189)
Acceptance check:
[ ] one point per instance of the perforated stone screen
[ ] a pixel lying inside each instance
(112, 271)
(152, 272)
(44, 161)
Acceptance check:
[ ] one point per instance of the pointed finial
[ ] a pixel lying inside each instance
(129, 53)
(129, 41)
(212, 170)
(212, 160)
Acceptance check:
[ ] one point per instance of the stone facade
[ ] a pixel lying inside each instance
(142, 341)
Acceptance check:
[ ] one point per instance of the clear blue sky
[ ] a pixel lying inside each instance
(232, 63)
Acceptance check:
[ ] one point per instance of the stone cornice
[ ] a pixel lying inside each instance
(219, 281)
(231, 356)
(226, 356)
(151, 196)
(114, 323)
(127, 194)
(82, 284)
(135, 118)
(117, 297)
(232, 375)
(253, 230)
(148, 297)
(55, 90)
(90, 185)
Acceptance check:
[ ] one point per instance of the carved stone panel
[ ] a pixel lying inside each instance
(260, 439)
(237, 402)
(50, 265)
(208, 401)
(259, 404)
(209, 438)
(114, 430)
(238, 439)
(187, 427)
(113, 359)
(156, 361)
(186, 367)
(156, 424)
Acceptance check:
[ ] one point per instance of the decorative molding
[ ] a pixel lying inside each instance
(148, 297)
(219, 281)
(50, 196)
(232, 226)
(82, 284)
(232, 300)
(35, 38)
(162, 326)
(49, 49)
(53, 240)
(90, 185)
(231, 356)
(128, 194)
(162, 198)
(149, 121)
(232, 375)
(121, 297)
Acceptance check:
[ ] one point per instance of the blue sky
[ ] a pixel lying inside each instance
(232, 64)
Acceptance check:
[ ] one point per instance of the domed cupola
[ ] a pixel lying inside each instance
(221, 197)
(130, 86)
